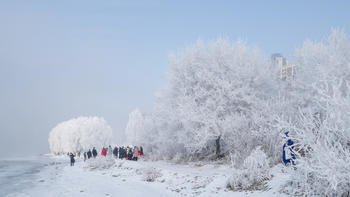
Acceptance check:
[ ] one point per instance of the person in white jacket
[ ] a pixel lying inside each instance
(110, 151)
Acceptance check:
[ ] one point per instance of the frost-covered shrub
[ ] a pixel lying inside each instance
(100, 163)
(80, 134)
(323, 167)
(254, 173)
(150, 174)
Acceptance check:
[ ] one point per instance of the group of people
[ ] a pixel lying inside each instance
(128, 153)
(90, 154)
(122, 152)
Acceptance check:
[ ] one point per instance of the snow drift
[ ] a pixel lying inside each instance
(79, 134)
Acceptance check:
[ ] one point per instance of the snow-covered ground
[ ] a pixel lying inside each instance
(110, 177)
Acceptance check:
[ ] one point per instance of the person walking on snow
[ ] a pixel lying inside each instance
(72, 160)
(110, 150)
(84, 156)
(115, 152)
(125, 153)
(130, 154)
(135, 153)
(121, 152)
(94, 152)
(89, 154)
(104, 151)
(141, 151)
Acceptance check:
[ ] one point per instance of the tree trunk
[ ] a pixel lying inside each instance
(217, 143)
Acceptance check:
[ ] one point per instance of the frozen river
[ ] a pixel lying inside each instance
(19, 174)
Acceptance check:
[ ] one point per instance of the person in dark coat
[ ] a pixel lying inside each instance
(120, 152)
(94, 152)
(89, 154)
(130, 154)
(124, 153)
(115, 152)
(72, 160)
(127, 153)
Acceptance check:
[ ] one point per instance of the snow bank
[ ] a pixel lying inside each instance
(80, 134)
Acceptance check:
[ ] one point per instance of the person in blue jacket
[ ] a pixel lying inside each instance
(288, 153)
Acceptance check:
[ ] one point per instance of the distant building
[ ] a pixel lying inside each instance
(287, 71)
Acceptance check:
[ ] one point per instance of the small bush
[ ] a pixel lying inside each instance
(254, 173)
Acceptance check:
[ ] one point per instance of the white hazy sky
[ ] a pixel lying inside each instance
(63, 59)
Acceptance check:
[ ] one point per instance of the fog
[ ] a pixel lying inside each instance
(54, 68)
(68, 59)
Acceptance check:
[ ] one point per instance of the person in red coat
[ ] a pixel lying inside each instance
(104, 152)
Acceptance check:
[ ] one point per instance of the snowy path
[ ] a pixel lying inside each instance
(125, 178)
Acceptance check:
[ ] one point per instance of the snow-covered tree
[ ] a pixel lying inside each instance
(135, 127)
(216, 92)
(224, 97)
(321, 125)
(155, 133)
(140, 129)
(214, 102)
(79, 134)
